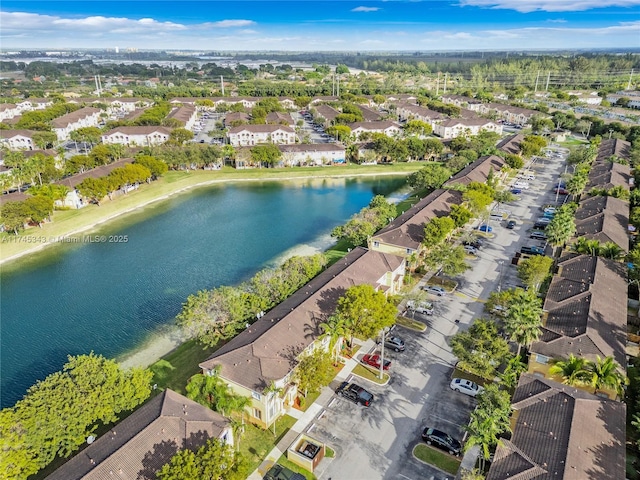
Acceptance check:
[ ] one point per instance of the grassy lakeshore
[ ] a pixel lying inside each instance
(72, 222)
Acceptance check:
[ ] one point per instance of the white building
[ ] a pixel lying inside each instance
(387, 128)
(185, 115)
(632, 95)
(85, 117)
(8, 111)
(467, 127)
(408, 111)
(312, 154)
(248, 135)
(17, 139)
(137, 136)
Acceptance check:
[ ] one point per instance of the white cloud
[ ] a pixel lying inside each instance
(526, 6)
(247, 31)
(230, 23)
(365, 9)
(557, 20)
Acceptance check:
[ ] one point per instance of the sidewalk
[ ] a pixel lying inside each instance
(305, 419)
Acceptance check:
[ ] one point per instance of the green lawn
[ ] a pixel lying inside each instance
(446, 283)
(285, 462)
(412, 324)
(370, 375)
(256, 443)
(176, 368)
(438, 459)
(457, 373)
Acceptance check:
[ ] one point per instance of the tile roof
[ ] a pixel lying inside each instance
(139, 130)
(511, 144)
(268, 349)
(407, 230)
(16, 133)
(140, 444)
(608, 225)
(613, 146)
(422, 111)
(467, 122)
(561, 433)
(607, 174)
(65, 120)
(182, 114)
(586, 305)
(236, 117)
(327, 112)
(477, 171)
(369, 114)
(278, 117)
(97, 172)
(261, 128)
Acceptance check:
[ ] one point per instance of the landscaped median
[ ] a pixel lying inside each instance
(440, 460)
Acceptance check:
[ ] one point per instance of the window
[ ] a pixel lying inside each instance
(257, 413)
(256, 395)
(408, 251)
(542, 359)
(376, 244)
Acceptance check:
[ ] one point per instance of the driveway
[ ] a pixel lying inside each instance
(376, 442)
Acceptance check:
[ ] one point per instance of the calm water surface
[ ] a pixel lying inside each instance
(109, 297)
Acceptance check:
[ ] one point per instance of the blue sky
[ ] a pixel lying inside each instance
(327, 25)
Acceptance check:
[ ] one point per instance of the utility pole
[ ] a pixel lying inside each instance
(445, 83)
(537, 78)
(630, 77)
(438, 83)
(222, 85)
(546, 89)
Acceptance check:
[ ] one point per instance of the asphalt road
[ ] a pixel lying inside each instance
(377, 442)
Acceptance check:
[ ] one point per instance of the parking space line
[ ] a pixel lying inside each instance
(404, 476)
(444, 420)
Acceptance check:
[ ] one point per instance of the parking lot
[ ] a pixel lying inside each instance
(377, 442)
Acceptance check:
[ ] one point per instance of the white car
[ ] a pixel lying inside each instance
(425, 308)
(470, 249)
(465, 386)
(435, 290)
(522, 185)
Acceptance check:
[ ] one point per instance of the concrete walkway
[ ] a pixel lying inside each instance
(306, 419)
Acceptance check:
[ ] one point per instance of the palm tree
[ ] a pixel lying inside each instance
(585, 246)
(334, 329)
(603, 373)
(611, 250)
(524, 318)
(271, 392)
(572, 371)
(484, 431)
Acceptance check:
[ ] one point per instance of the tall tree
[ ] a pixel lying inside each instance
(532, 271)
(365, 311)
(524, 317)
(572, 371)
(480, 349)
(605, 373)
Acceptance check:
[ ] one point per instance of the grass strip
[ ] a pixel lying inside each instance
(441, 460)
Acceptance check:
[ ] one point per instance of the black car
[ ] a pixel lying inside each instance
(475, 243)
(540, 226)
(278, 472)
(442, 440)
(355, 393)
(511, 224)
(538, 235)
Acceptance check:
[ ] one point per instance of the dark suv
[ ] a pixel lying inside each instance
(442, 440)
(278, 472)
(355, 393)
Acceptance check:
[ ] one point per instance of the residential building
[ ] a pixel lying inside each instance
(614, 147)
(326, 113)
(312, 154)
(456, 127)
(236, 118)
(588, 98)
(185, 115)
(142, 136)
(30, 104)
(248, 135)
(511, 144)
(408, 111)
(279, 118)
(404, 235)
(462, 101)
(478, 171)
(632, 95)
(385, 127)
(8, 111)
(323, 99)
(267, 351)
(604, 218)
(369, 114)
(17, 139)
(585, 314)
(608, 175)
(84, 117)
(287, 102)
(508, 113)
(138, 446)
(562, 433)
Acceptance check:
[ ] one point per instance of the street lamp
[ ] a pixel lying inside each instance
(500, 276)
(382, 356)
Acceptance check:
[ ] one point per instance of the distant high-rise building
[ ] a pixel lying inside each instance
(117, 49)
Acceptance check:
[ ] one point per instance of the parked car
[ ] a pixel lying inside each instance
(475, 242)
(278, 472)
(532, 250)
(528, 176)
(394, 343)
(465, 386)
(442, 440)
(561, 191)
(511, 224)
(471, 250)
(516, 191)
(540, 226)
(355, 393)
(537, 235)
(543, 220)
(548, 215)
(435, 290)
(522, 185)
(485, 228)
(425, 308)
(374, 361)
(550, 210)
